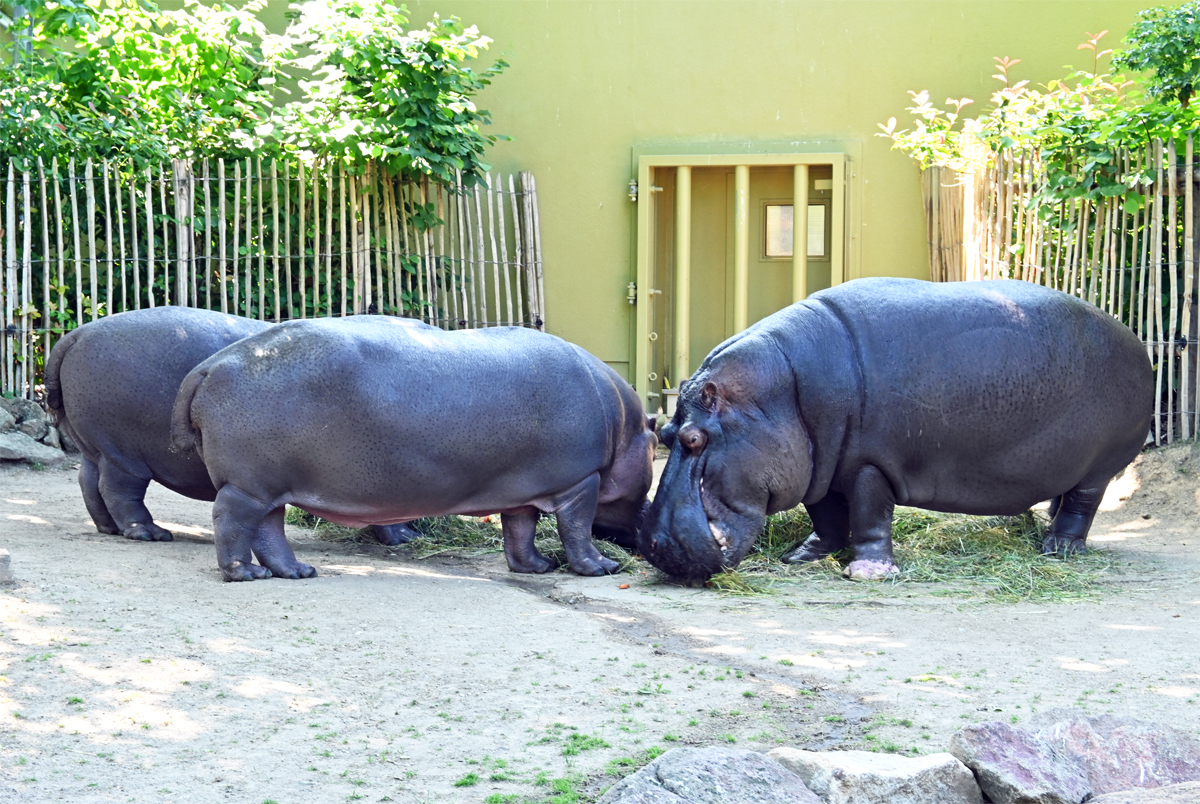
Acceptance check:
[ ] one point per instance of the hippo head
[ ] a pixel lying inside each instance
(738, 453)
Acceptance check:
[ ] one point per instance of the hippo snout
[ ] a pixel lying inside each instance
(679, 542)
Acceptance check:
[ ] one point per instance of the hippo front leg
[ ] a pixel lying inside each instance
(575, 511)
(831, 530)
(392, 535)
(519, 526)
(872, 504)
(1071, 518)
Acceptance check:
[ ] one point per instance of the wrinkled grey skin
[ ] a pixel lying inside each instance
(111, 384)
(968, 397)
(374, 421)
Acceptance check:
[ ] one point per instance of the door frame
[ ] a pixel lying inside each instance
(646, 164)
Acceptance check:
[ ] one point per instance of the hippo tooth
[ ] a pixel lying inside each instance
(718, 536)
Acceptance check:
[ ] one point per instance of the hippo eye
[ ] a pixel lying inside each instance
(693, 439)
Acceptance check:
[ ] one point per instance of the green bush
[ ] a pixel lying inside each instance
(121, 79)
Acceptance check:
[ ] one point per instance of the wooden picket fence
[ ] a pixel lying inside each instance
(1139, 264)
(263, 238)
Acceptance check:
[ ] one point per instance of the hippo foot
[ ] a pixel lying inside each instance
(237, 571)
(148, 533)
(811, 549)
(392, 535)
(296, 573)
(536, 564)
(108, 529)
(868, 570)
(1063, 546)
(595, 566)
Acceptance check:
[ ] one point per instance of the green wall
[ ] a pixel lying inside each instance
(589, 81)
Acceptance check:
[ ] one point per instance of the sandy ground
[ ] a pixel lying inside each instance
(130, 672)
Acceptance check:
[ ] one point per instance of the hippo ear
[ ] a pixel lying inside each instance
(710, 396)
(651, 421)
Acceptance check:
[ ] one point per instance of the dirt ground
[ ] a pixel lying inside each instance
(130, 672)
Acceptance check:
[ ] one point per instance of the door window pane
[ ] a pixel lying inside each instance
(779, 230)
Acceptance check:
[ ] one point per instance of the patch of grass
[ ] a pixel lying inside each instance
(322, 529)
(469, 780)
(1000, 555)
(582, 742)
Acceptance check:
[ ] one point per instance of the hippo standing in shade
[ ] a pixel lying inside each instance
(966, 397)
(366, 421)
(112, 384)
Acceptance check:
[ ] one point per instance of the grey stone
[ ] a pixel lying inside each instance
(34, 428)
(711, 776)
(23, 409)
(863, 777)
(1013, 766)
(1121, 753)
(51, 439)
(20, 447)
(7, 421)
(1186, 793)
(6, 575)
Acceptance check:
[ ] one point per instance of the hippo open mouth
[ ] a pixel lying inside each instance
(689, 532)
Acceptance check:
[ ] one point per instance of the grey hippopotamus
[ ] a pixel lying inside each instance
(111, 384)
(368, 421)
(967, 397)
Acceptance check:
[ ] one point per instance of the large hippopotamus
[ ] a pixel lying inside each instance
(367, 421)
(111, 384)
(966, 397)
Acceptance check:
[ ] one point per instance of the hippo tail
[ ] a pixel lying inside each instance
(184, 437)
(54, 398)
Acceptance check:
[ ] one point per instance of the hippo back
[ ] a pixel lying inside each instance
(964, 387)
(112, 383)
(372, 408)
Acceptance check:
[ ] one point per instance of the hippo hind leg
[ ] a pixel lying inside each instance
(519, 526)
(1071, 518)
(831, 530)
(245, 528)
(272, 550)
(89, 484)
(124, 494)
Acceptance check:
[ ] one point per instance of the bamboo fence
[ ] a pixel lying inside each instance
(1137, 262)
(266, 239)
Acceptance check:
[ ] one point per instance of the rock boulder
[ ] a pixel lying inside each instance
(862, 777)
(711, 776)
(1013, 766)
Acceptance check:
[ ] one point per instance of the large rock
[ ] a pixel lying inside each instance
(7, 421)
(862, 777)
(23, 410)
(1121, 753)
(711, 776)
(20, 447)
(1013, 766)
(1186, 793)
(34, 428)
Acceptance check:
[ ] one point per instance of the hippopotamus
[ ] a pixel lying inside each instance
(366, 421)
(965, 397)
(111, 384)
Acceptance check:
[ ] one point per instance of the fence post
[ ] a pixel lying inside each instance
(181, 180)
